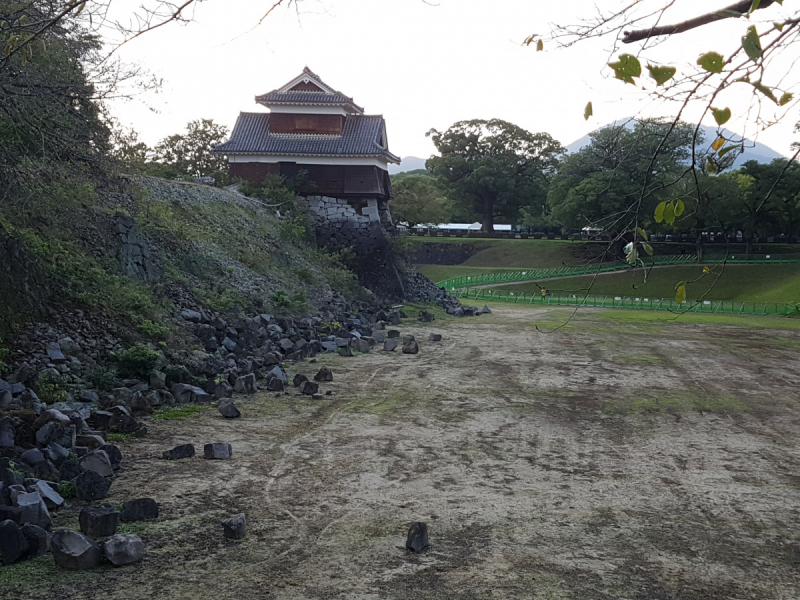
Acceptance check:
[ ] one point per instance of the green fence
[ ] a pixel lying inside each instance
(605, 267)
(641, 303)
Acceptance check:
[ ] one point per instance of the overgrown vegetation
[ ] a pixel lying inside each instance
(137, 362)
(177, 412)
(51, 388)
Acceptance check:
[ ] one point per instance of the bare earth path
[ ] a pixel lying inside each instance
(642, 460)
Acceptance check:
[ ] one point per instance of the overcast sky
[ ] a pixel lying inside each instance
(421, 64)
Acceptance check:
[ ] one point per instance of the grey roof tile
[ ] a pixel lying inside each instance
(251, 135)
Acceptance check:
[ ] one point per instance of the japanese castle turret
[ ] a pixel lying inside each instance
(314, 128)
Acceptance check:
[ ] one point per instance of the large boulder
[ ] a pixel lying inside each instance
(114, 455)
(184, 393)
(89, 485)
(411, 347)
(139, 510)
(245, 384)
(309, 388)
(73, 550)
(123, 550)
(98, 462)
(38, 540)
(34, 510)
(52, 499)
(12, 542)
(99, 521)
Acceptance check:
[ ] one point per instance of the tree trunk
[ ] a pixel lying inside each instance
(749, 246)
(700, 246)
(488, 217)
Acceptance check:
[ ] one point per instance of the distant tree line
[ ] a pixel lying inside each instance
(493, 171)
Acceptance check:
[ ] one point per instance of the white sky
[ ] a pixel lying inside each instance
(421, 65)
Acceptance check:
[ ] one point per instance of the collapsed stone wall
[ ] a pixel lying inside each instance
(365, 226)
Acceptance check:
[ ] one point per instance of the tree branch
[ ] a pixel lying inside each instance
(734, 10)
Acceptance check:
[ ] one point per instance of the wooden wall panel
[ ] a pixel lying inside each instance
(291, 123)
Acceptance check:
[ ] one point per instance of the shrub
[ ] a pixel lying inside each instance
(66, 490)
(101, 378)
(177, 374)
(51, 388)
(283, 301)
(137, 362)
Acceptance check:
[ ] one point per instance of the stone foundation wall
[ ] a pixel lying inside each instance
(365, 226)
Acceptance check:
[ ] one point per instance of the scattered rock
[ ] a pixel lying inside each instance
(436, 337)
(389, 345)
(52, 499)
(411, 347)
(228, 409)
(417, 539)
(392, 334)
(114, 455)
(33, 508)
(324, 375)
(123, 550)
(217, 451)
(486, 310)
(179, 452)
(309, 388)
(275, 385)
(73, 550)
(38, 540)
(69, 469)
(426, 317)
(90, 486)
(139, 510)
(184, 393)
(299, 379)
(12, 542)
(234, 527)
(99, 521)
(98, 462)
(245, 384)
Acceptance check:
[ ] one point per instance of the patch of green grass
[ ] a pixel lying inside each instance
(753, 283)
(672, 402)
(653, 317)
(41, 572)
(137, 528)
(116, 438)
(170, 413)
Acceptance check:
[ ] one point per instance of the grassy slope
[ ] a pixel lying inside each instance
(761, 283)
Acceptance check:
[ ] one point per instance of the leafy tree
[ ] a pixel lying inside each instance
(494, 168)
(192, 153)
(419, 199)
(622, 168)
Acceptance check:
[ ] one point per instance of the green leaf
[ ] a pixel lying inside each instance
(721, 116)
(539, 46)
(633, 256)
(785, 99)
(588, 111)
(659, 214)
(778, 26)
(754, 6)
(718, 143)
(680, 293)
(713, 62)
(669, 214)
(648, 248)
(661, 74)
(765, 90)
(711, 167)
(641, 233)
(626, 68)
(680, 208)
(724, 151)
(752, 44)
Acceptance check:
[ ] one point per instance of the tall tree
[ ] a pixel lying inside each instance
(192, 153)
(623, 168)
(494, 167)
(419, 199)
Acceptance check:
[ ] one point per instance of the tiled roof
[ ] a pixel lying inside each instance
(302, 97)
(251, 135)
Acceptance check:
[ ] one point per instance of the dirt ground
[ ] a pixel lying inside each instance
(611, 459)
